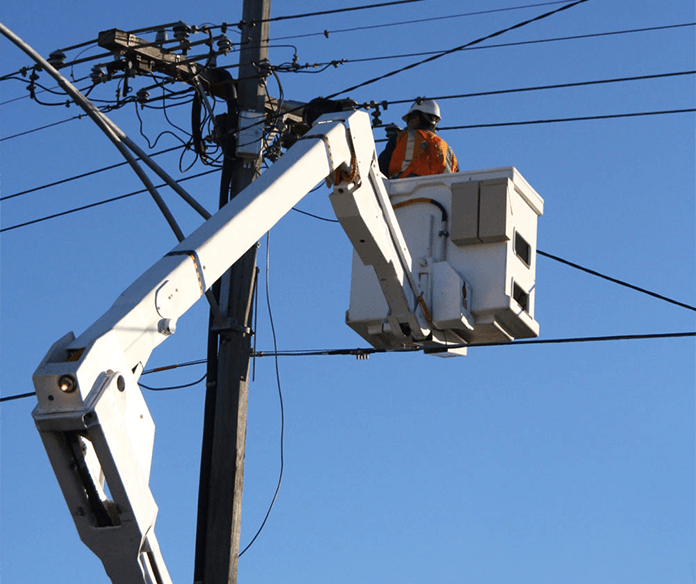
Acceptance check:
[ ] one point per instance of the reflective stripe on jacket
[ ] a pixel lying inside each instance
(421, 153)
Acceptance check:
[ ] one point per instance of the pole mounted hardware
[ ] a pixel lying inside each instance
(148, 57)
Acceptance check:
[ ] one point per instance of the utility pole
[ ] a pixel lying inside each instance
(229, 343)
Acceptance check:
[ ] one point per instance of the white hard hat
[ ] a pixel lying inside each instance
(426, 106)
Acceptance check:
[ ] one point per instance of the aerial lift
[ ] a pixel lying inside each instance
(440, 262)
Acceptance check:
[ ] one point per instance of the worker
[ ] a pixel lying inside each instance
(418, 150)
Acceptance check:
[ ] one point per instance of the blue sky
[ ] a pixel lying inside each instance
(535, 463)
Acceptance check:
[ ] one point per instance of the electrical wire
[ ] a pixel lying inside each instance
(359, 352)
(337, 10)
(567, 263)
(280, 398)
(366, 351)
(444, 128)
(83, 175)
(109, 54)
(22, 79)
(614, 280)
(573, 119)
(522, 43)
(547, 87)
(313, 216)
(440, 98)
(113, 105)
(541, 121)
(97, 204)
(152, 145)
(459, 48)
(172, 387)
(591, 35)
(493, 46)
(479, 94)
(205, 28)
(18, 396)
(176, 366)
(135, 31)
(419, 21)
(77, 117)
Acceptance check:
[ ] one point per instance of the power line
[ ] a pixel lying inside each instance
(444, 128)
(522, 43)
(338, 10)
(371, 350)
(80, 116)
(540, 252)
(225, 26)
(194, 29)
(425, 53)
(18, 396)
(280, 398)
(573, 119)
(42, 89)
(97, 204)
(462, 95)
(361, 352)
(313, 216)
(176, 366)
(418, 21)
(459, 48)
(441, 98)
(136, 31)
(568, 263)
(437, 53)
(614, 280)
(173, 387)
(83, 175)
(554, 86)
(489, 125)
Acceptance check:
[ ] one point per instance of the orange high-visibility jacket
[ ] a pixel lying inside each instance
(421, 153)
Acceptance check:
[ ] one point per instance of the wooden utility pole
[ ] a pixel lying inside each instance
(229, 343)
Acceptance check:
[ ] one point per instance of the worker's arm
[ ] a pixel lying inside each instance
(385, 156)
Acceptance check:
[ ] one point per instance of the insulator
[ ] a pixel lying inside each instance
(376, 120)
(224, 44)
(143, 95)
(98, 74)
(161, 36)
(181, 31)
(57, 59)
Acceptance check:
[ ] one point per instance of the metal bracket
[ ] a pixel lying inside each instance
(230, 325)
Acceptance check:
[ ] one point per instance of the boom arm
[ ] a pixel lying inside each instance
(91, 415)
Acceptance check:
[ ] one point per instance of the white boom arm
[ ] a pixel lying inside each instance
(91, 415)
